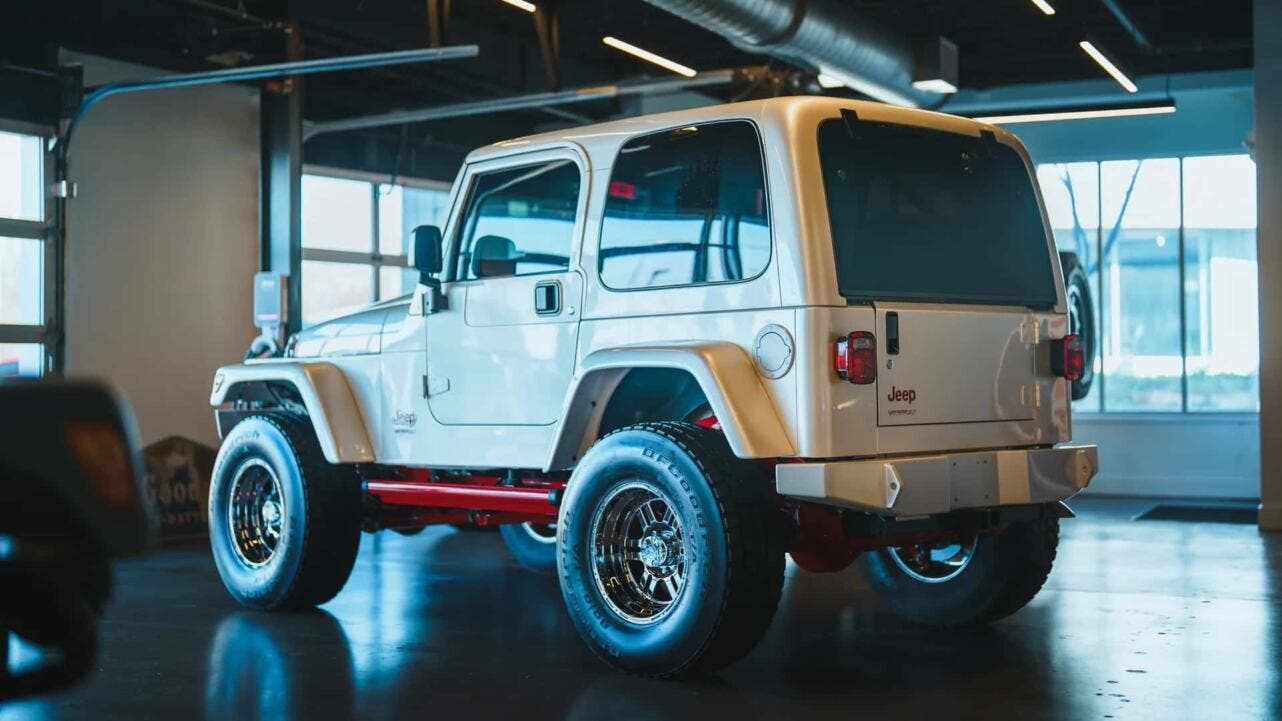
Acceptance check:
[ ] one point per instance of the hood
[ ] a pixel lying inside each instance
(357, 333)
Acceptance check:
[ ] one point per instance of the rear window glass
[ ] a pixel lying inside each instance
(920, 214)
(685, 207)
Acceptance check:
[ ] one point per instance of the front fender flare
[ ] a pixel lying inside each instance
(723, 371)
(331, 404)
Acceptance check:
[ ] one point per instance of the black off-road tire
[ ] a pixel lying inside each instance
(1004, 574)
(321, 521)
(733, 541)
(531, 546)
(1081, 311)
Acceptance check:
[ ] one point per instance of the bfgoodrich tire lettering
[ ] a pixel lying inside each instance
(731, 540)
(319, 522)
(1003, 574)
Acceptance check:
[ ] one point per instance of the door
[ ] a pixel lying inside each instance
(954, 365)
(503, 351)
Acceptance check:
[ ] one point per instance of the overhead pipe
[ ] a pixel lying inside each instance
(820, 34)
(1128, 24)
(264, 72)
(520, 102)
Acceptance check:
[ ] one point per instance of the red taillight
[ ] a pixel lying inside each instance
(855, 358)
(1068, 360)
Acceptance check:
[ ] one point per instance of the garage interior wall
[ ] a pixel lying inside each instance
(162, 244)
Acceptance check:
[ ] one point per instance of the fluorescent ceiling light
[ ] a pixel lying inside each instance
(648, 56)
(935, 85)
(1044, 7)
(528, 7)
(829, 82)
(1108, 66)
(1050, 114)
(859, 85)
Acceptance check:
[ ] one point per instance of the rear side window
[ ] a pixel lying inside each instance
(920, 214)
(685, 207)
(519, 221)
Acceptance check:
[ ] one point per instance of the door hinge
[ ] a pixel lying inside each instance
(63, 189)
(434, 300)
(434, 386)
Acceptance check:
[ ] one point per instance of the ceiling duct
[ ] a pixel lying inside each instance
(821, 34)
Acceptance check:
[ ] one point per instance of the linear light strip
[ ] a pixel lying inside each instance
(1051, 115)
(648, 56)
(528, 7)
(1108, 66)
(1044, 7)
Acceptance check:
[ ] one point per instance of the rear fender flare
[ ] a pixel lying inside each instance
(724, 372)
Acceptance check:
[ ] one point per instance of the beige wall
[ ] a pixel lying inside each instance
(1268, 160)
(162, 245)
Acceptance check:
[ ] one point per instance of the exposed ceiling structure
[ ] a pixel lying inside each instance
(999, 42)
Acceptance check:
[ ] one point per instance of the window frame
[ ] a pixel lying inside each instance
(372, 258)
(767, 205)
(46, 332)
(528, 158)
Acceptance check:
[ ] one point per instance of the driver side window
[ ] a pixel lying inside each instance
(519, 221)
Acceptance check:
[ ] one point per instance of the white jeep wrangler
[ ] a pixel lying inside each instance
(663, 353)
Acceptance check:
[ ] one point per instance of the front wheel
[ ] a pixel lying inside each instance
(968, 581)
(284, 524)
(670, 550)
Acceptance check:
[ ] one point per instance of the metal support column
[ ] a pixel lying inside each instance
(547, 24)
(280, 193)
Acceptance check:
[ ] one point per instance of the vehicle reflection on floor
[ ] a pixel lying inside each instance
(1154, 620)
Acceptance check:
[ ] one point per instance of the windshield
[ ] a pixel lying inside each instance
(921, 214)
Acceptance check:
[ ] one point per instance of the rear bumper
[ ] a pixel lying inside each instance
(928, 485)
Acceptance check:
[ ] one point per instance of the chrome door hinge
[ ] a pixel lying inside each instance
(63, 189)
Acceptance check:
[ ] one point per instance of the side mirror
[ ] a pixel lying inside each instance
(427, 250)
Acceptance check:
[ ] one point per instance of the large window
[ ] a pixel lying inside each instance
(1169, 247)
(686, 206)
(920, 214)
(24, 254)
(356, 239)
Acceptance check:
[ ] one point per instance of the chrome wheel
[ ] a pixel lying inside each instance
(255, 513)
(934, 563)
(541, 532)
(638, 553)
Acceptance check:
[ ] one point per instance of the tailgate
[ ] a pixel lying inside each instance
(954, 364)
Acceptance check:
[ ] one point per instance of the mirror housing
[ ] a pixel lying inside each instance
(428, 259)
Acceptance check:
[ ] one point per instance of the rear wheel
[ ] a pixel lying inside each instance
(973, 580)
(1081, 319)
(670, 550)
(284, 524)
(532, 544)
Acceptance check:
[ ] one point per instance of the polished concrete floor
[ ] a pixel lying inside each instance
(1140, 620)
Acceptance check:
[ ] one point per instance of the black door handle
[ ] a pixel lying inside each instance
(892, 333)
(547, 297)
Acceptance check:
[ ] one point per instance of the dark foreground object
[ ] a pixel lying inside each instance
(1153, 620)
(71, 500)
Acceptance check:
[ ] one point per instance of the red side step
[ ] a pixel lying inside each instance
(525, 500)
